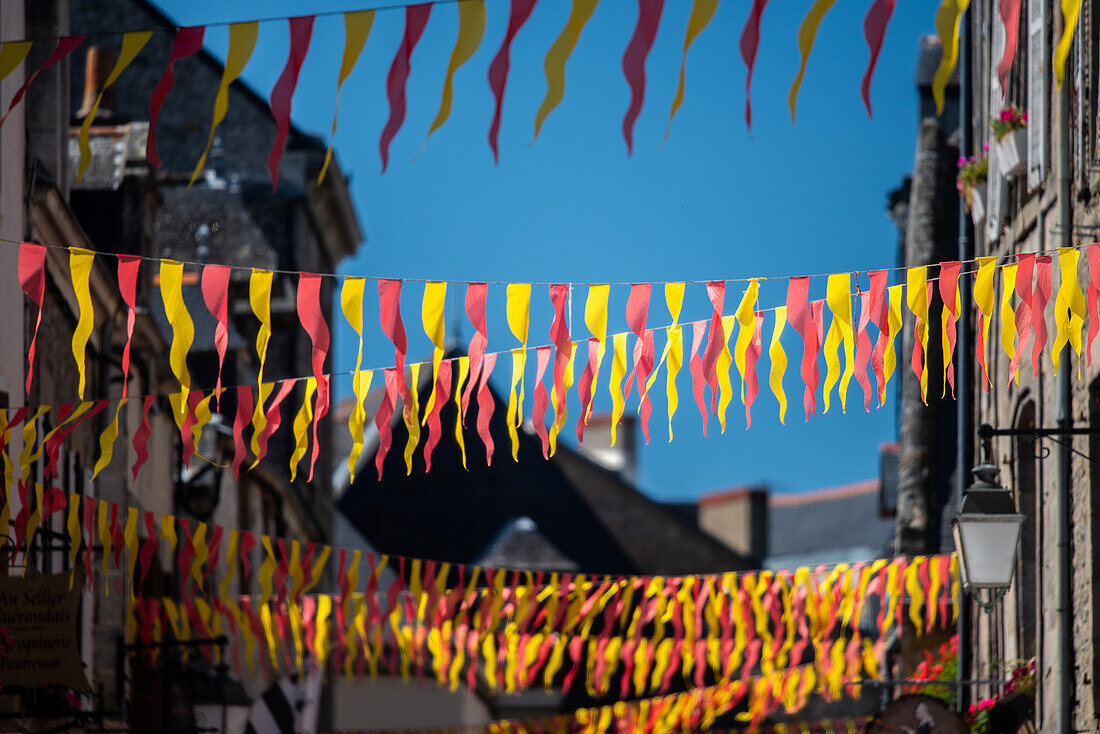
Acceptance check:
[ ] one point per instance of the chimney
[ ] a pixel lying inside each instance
(739, 518)
(623, 456)
(97, 67)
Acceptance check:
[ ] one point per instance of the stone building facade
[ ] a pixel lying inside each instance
(1046, 205)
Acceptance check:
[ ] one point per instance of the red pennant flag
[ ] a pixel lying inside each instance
(949, 283)
(54, 443)
(1024, 277)
(65, 46)
(563, 346)
(245, 407)
(214, 549)
(518, 14)
(32, 278)
(645, 32)
(301, 29)
(542, 401)
(799, 316)
(443, 394)
(188, 42)
(879, 312)
(282, 569)
(382, 418)
(752, 382)
(389, 300)
(117, 541)
(148, 548)
(475, 311)
(215, 293)
(416, 17)
(141, 436)
(695, 366)
(637, 311)
(274, 418)
(717, 339)
(313, 322)
(874, 30)
(1092, 252)
(248, 542)
(750, 42)
(19, 524)
(584, 387)
(127, 286)
(863, 349)
(485, 404)
(1010, 16)
(1040, 297)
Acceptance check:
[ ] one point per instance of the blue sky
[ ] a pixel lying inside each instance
(712, 202)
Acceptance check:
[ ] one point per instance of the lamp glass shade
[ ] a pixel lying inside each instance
(987, 548)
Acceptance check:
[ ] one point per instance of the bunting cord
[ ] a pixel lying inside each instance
(572, 284)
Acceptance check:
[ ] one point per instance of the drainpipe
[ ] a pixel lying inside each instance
(1063, 602)
(963, 341)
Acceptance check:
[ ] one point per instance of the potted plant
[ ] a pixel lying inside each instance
(1010, 134)
(973, 174)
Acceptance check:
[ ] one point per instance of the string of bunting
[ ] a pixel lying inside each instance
(243, 36)
(507, 624)
(1027, 287)
(634, 716)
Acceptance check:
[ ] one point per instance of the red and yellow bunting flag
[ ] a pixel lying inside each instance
(416, 18)
(301, 30)
(357, 27)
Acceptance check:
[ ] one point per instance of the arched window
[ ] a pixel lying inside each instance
(1025, 483)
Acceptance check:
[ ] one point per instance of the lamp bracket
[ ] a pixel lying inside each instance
(986, 431)
(995, 596)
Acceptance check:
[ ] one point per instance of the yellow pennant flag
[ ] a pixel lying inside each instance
(80, 268)
(356, 29)
(984, 298)
(412, 421)
(130, 535)
(75, 533)
(838, 296)
(1008, 315)
(1070, 10)
(618, 372)
(183, 329)
(558, 55)
(259, 298)
(132, 43)
(267, 569)
(12, 54)
(722, 368)
(916, 294)
(806, 34)
(242, 41)
(702, 12)
(30, 440)
(471, 27)
(301, 427)
(895, 295)
(231, 564)
(168, 532)
(916, 593)
(351, 303)
(518, 309)
(107, 442)
(778, 360)
(595, 318)
(674, 347)
(321, 639)
(463, 373)
(432, 312)
(948, 17)
(1070, 309)
(201, 552)
(674, 301)
(563, 412)
(746, 329)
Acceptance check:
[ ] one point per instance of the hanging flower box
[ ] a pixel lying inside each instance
(1010, 132)
(973, 174)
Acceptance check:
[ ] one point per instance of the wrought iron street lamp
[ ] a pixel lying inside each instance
(987, 535)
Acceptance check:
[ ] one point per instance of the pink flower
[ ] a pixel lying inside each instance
(986, 704)
(962, 161)
(1023, 117)
(985, 148)
(1006, 114)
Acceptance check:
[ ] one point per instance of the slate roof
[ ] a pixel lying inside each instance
(592, 516)
(839, 524)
